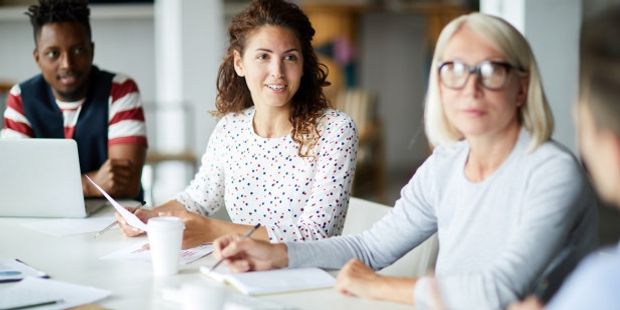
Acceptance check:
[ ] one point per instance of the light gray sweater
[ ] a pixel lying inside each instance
(498, 238)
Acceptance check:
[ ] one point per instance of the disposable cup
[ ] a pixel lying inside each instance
(165, 234)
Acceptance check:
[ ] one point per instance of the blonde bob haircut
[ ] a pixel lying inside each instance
(535, 114)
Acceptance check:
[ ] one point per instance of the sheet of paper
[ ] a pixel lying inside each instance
(34, 290)
(14, 270)
(129, 217)
(137, 252)
(66, 227)
(234, 301)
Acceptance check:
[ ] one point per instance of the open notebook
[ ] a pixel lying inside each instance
(272, 281)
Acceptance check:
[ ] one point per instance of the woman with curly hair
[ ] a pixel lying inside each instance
(279, 156)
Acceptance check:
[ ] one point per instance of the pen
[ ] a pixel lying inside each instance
(37, 304)
(101, 232)
(246, 235)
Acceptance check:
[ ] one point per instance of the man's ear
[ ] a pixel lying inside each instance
(238, 63)
(35, 55)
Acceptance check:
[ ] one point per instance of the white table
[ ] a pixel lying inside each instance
(76, 259)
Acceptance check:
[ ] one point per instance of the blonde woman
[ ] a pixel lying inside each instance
(510, 206)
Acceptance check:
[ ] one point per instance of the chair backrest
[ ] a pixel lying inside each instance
(363, 214)
(360, 105)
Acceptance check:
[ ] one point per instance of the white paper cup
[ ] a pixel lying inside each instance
(165, 235)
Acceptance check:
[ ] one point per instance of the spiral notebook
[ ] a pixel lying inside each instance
(272, 281)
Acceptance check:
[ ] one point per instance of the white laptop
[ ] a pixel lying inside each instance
(41, 178)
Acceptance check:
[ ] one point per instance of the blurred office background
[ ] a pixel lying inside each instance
(378, 53)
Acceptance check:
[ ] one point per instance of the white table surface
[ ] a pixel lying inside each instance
(76, 259)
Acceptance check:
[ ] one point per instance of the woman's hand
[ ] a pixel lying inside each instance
(143, 214)
(246, 254)
(357, 279)
(196, 231)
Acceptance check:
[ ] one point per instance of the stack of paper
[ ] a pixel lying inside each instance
(51, 294)
(15, 270)
(138, 252)
(67, 227)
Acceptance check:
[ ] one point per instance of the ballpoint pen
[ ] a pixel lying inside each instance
(245, 236)
(36, 304)
(101, 232)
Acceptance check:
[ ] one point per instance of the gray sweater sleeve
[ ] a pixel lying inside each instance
(408, 224)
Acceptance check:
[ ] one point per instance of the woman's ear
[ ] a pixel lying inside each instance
(522, 91)
(238, 63)
(614, 144)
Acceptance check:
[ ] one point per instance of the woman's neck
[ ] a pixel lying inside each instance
(272, 122)
(488, 152)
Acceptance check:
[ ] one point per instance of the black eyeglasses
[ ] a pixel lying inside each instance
(493, 74)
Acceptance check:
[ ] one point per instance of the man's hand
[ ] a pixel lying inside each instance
(246, 254)
(115, 177)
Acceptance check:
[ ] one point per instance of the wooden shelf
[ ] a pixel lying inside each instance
(155, 157)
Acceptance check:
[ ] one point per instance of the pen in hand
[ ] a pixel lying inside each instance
(101, 232)
(246, 235)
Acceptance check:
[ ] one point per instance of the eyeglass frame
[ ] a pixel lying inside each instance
(477, 70)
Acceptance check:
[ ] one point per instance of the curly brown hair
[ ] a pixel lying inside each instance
(309, 103)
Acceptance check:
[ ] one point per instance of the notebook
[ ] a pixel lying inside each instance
(272, 281)
(41, 178)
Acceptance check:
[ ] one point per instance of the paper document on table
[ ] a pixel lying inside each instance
(12, 269)
(66, 227)
(272, 281)
(234, 301)
(49, 294)
(129, 217)
(137, 252)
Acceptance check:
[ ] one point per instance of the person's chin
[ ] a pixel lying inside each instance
(70, 94)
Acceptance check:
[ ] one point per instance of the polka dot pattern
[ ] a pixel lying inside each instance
(264, 180)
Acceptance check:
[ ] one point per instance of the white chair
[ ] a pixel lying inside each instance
(363, 214)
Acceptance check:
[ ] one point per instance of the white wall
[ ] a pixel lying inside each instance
(16, 62)
(552, 27)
